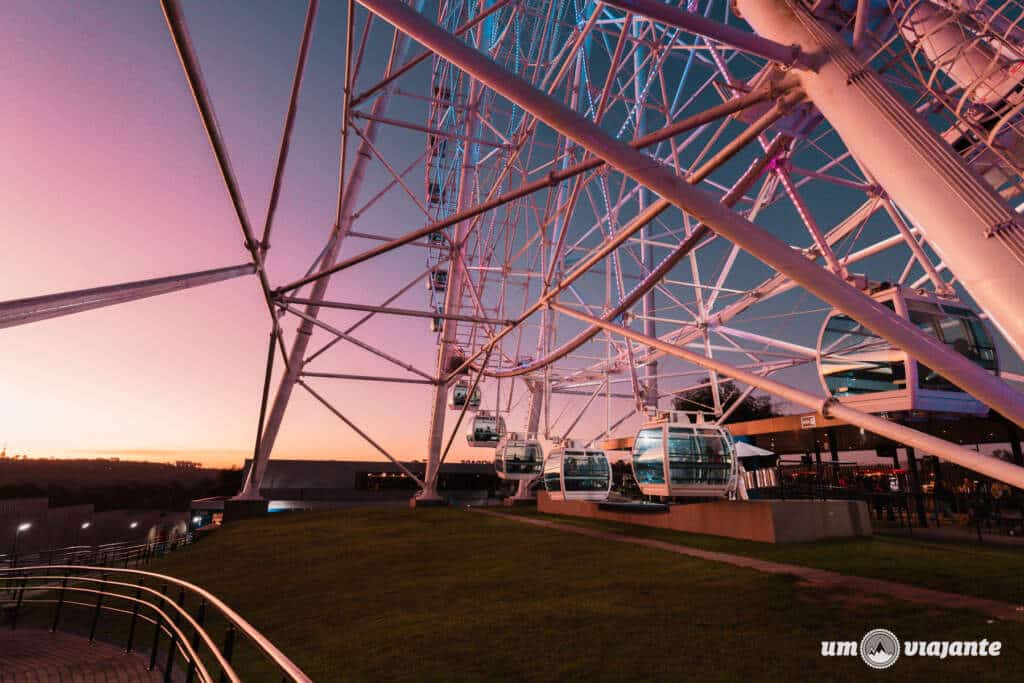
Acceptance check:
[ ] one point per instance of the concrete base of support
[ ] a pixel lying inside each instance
(236, 509)
(767, 521)
(514, 501)
(415, 502)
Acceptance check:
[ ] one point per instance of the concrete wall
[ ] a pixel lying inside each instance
(62, 526)
(50, 527)
(767, 521)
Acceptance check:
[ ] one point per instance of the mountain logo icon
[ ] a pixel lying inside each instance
(879, 648)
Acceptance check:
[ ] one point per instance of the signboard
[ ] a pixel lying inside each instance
(808, 421)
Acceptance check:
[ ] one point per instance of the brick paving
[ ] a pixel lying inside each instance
(817, 578)
(38, 656)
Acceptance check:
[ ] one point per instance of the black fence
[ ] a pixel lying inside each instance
(123, 554)
(890, 496)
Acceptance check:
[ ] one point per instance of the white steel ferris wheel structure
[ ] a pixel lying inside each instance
(621, 200)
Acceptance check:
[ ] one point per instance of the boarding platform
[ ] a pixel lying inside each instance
(767, 521)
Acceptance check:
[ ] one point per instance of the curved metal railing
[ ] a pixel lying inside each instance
(123, 553)
(179, 613)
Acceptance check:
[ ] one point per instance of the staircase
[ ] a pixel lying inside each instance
(38, 656)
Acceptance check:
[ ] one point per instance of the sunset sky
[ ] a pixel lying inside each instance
(106, 176)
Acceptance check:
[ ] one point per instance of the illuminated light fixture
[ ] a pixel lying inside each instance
(86, 525)
(133, 525)
(24, 526)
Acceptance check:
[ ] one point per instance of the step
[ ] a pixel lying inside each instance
(29, 654)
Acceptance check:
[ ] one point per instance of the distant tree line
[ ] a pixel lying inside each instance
(111, 485)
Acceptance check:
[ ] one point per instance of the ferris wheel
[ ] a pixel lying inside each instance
(606, 204)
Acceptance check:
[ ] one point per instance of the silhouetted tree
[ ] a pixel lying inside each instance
(753, 407)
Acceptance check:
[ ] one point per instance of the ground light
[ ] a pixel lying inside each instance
(24, 526)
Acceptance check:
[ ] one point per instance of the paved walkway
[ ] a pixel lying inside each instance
(818, 578)
(37, 656)
(958, 534)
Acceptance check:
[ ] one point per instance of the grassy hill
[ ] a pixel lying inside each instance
(446, 594)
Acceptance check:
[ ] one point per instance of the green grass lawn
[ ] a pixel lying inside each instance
(444, 594)
(986, 571)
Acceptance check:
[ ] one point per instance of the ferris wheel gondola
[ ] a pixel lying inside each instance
(682, 459)
(485, 430)
(577, 473)
(863, 370)
(519, 458)
(460, 396)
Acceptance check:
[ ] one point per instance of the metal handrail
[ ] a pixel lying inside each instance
(178, 609)
(180, 637)
(69, 578)
(105, 554)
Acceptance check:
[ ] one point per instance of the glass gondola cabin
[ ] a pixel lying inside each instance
(485, 430)
(679, 459)
(437, 281)
(519, 458)
(572, 473)
(460, 395)
(866, 372)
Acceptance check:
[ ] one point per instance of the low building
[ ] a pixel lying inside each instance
(317, 484)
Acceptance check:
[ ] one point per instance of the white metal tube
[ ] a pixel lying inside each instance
(804, 351)
(452, 305)
(723, 33)
(860, 23)
(22, 311)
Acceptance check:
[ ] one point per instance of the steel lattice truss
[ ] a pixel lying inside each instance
(621, 201)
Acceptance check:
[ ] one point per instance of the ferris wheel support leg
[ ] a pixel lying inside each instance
(452, 303)
(523, 492)
(297, 356)
(973, 230)
(428, 493)
(536, 404)
(732, 226)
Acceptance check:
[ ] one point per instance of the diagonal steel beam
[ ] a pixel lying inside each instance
(22, 311)
(337, 413)
(289, 124)
(385, 310)
(190, 64)
(691, 22)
